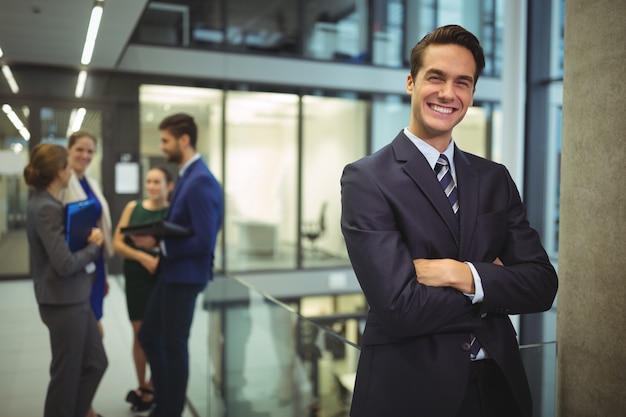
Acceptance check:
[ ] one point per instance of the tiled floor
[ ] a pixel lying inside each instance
(25, 354)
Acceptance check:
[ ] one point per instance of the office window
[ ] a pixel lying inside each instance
(484, 18)
(333, 135)
(262, 26)
(205, 105)
(336, 30)
(387, 32)
(260, 180)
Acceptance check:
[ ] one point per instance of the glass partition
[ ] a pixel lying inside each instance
(205, 105)
(14, 148)
(381, 32)
(484, 18)
(55, 123)
(262, 26)
(333, 134)
(336, 30)
(387, 32)
(261, 180)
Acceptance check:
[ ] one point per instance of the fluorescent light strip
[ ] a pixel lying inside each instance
(76, 120)
(92, 33)
(80, 84)
(16, 121)
(6, 71)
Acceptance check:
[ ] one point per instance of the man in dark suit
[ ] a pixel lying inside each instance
(441, 273)
(185, 265)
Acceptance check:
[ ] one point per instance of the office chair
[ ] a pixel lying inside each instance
(312, 230)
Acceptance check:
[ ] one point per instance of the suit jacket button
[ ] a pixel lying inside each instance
(465, 346)
(482, 316)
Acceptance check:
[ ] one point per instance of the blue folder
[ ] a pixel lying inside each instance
(80, 217)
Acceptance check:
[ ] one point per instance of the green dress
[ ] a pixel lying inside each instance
(139, 282)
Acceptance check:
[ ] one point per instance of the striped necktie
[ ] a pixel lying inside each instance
(444, 176)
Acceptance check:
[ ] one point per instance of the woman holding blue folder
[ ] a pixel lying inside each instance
(63, 283)
(82, 147)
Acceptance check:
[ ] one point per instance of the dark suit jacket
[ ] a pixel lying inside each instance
(414, 359)
(59, 275)
(198, 204)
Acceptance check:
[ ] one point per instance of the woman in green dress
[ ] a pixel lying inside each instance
(140, 266)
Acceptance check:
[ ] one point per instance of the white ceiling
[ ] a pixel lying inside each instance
(52, 32)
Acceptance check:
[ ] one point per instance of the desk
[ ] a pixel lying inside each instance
(258, 238)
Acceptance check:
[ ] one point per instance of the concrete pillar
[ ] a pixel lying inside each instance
(591, 323)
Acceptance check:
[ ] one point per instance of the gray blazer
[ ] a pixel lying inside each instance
(59, 275)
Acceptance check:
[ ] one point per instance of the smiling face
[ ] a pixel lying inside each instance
(170, 146)
(157, 186)
(441, 92)
(81, 154)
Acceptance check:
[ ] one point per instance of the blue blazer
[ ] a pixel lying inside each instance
(414, 359)
(197, 203)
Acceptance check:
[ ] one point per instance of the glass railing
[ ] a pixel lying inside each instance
(251, 355)
(540, 364)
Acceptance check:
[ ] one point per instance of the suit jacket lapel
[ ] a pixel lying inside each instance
(468, 185)
(416, 166)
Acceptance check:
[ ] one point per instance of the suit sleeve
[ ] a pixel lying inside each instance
(50, 228)
(527, 283)
(383, 265)
(200, 210)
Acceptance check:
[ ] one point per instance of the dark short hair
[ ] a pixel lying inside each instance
(46, 160)
(180, 123)
(71, 141)
(444, 35)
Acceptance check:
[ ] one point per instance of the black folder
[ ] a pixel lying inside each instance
(80, 217)
(159, 229)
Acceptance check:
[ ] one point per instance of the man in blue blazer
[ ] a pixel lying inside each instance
(441, 273)
(185, 265)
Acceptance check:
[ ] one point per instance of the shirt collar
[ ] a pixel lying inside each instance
(191, 161)
(431, 154)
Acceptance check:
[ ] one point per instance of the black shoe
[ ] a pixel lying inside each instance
(132, 397)
(140, 404)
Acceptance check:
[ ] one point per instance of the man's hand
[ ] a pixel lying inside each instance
(445, 273)
(144, 241)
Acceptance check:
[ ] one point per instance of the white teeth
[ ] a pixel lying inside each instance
(439, 109)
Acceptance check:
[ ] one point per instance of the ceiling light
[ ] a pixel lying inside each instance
(92, 33)
(80, 84)
(76, 120)
(17, 147)
(10, 79)
(1, 53)
(16, 121)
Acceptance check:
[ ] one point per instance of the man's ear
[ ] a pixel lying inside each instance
(185, 139)
(409, 84)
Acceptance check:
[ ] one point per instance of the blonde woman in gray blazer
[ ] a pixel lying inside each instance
(63, 282)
